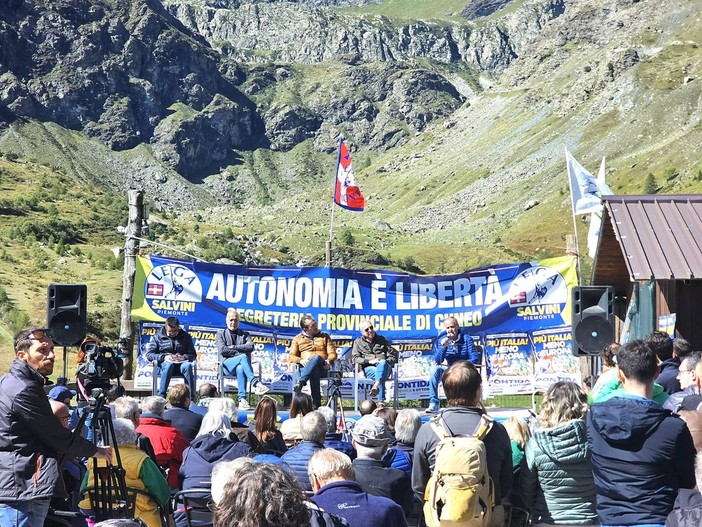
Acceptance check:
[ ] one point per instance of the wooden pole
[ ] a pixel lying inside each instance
(131, 249)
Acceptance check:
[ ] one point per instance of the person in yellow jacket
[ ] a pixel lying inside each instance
(314, 351)
(140, 472)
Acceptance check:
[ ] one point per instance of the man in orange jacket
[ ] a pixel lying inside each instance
(314, 352)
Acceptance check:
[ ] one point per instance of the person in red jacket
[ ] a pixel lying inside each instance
(168, 442)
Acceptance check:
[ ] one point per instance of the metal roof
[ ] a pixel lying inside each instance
(659, 237)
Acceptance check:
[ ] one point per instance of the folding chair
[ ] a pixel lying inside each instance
(191, 507)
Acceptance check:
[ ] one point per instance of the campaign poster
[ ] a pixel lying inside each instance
(509, 364)
(553, 358)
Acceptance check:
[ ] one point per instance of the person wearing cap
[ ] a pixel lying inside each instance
(376, 356)
(173, 349)
(61, 394)
(371, 440)
(32, 438)
(314, 351)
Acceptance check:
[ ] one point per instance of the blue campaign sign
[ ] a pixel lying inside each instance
(510, 297)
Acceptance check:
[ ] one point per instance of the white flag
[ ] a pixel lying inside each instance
(585, 190)
(593, 233)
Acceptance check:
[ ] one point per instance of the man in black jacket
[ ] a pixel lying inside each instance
(32, 438)
(234, 346)
(173, 349)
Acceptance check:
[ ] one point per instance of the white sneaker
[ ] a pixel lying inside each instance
(260, 389)
(244, 405)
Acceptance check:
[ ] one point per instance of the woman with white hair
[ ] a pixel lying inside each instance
(139, 472)
(214, 442)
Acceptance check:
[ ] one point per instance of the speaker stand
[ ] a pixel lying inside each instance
(65, 369)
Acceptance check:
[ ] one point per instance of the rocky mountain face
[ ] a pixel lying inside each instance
(198, 81)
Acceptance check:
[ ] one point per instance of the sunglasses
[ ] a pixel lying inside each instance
(37, 334)
(369, 328)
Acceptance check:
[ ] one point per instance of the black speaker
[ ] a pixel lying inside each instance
(593, 318)
(66, 313)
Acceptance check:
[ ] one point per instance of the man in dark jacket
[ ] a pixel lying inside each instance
(371, 440)
(462, 384)
(173, 349)
(641, 453)
(234, 346)
(662, 345)
(376, 356)
(313, 428)
(333, 480)
(333, 439)
(32, 438)
(179, 415)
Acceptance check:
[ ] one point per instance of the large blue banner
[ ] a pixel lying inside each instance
(407, 309)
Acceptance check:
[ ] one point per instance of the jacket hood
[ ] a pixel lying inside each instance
(565, 443)
(625, 422)
(212, 448)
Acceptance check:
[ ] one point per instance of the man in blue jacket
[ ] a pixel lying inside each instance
(641, 453)
(173, 349)
(32, 438)
(452, 345)
(333, 480)
(313, 428)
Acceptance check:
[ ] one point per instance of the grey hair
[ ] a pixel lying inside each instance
(313, 427)
(125, 407)
(215, 422)
(124, 431)
(328, 414)
(225, 405)
(407, 425)
(328, 463)
(223, 472)
(373, 452)
(153, 405)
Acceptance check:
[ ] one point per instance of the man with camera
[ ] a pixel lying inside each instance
(32, 438)
(376, 356)
(173, 349)
(314, 351)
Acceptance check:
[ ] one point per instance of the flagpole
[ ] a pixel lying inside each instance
(328, 244)
(575, 224)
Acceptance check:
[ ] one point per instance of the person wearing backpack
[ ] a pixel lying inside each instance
(462, 466)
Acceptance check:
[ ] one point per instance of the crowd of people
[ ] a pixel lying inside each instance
(623, 455)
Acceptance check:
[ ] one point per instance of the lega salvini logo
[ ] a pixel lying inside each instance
(172, 289)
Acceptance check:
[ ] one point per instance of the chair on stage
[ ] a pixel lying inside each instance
(156, 375)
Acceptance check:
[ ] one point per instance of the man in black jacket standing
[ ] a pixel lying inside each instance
(172, 347)
(32, 438)
(642, 454)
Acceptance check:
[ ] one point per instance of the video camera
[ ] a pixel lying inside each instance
(101, 364)
(335, 377)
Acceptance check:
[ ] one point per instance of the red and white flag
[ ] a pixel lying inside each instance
(346, 191)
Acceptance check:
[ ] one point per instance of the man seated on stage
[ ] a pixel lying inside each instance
(376, 356)
(314, 351)
(452, 345)
(173, 349)
(234, 346)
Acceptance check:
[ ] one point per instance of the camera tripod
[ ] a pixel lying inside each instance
(336, 403)
(107, 489)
